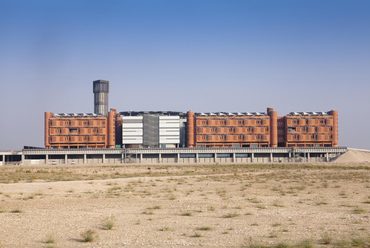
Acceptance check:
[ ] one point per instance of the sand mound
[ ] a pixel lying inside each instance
(354, 156)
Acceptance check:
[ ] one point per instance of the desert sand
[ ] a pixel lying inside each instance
(354, 156)
(187, 206)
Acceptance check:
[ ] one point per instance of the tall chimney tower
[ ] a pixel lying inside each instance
(101, 90)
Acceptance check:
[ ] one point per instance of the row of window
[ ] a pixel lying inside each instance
(66, 131)
(310, 137)
(85, 123)
(232, 122)
(306, 129)
(221, 130)
(309, 121)
(232, 137)
(54, 139)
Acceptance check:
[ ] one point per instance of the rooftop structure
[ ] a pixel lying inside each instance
(101, 90)
(159, 113)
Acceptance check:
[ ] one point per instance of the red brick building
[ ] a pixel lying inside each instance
(80, 130)
(254, 129)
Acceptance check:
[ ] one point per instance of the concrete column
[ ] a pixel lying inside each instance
(178, 158)
(252, 157)
(140, 158)
(234, 158)
(66, 159)
(85, 158)
(103, 158)
(271, 157)
(196, 158)
(160, 157)
(46, 159)
(215, 157)
(122, 158)
(308, 157)
(3, 158)
(327, 157)
(22, 159)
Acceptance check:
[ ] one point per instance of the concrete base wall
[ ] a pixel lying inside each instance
(170, 156)
(259, 160)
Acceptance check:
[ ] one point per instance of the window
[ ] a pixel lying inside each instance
(73, 130)
(291, 129)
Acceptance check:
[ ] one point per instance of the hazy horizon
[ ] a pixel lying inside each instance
(205, 56)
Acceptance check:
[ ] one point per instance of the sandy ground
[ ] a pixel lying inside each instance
(205, 208)
(354, 156)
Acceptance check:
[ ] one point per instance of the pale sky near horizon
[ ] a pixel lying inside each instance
(203, 55)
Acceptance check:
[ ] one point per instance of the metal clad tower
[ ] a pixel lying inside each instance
(101, 90)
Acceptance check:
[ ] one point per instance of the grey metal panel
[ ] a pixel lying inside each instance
(151, 130)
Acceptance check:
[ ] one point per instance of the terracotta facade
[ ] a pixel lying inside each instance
(310, 129)
(302, 129)
(231, 129)
(80, 130)
(249, 129)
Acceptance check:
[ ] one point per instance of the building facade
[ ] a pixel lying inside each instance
(257, 129)
(152, 129)
(250, 129)
(80, 130)
(310, 129)
(176, 129)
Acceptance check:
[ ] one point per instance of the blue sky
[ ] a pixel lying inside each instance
(203, 55)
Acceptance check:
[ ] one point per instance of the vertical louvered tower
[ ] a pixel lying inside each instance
(101, 90)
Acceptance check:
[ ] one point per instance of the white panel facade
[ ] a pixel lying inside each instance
(169, 140)
(169, 130)
(132, 130)
(132, 125)
(132, 140)
(135, 130)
